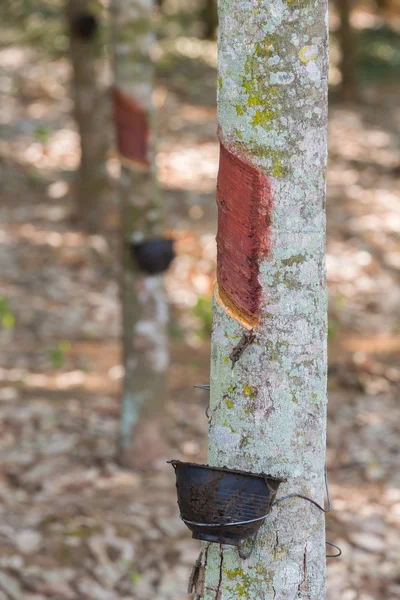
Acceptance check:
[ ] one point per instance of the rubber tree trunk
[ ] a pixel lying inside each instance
(144, 306)
(348, 87)
(268, 414)
(90, 108)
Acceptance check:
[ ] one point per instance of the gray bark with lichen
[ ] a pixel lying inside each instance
(144, 306)
(269, 415)
(90, 107)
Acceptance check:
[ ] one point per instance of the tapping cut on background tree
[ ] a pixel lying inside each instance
(268, 414)
(90, 107)
(144, 306)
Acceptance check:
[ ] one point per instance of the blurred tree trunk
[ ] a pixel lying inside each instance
(268, 414)
(348, 90)
(90, 108)
(210, 18)
(144, 306)
(382, 6)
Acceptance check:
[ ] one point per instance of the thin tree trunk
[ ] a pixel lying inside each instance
(144, 306)
(268, 414)
(347, 66)
(210, 18)
(90, 108)
(382, 6)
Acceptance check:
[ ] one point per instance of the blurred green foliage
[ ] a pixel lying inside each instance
(378, 53)
(7, 318)
(203, 311)
(57, 355)
(135, 577)
(36, 178)
(42, 134)
(36, 22)
(175, 332)
(333, 327)
(42, 25)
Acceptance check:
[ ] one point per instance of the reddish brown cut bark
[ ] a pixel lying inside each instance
(244, 218)
(132, 129)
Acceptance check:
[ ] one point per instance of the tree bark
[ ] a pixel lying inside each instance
(268, 414)
(90, 109)
(144, 306)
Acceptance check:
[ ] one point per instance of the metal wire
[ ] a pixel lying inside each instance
(337, 548)
(246, 554)
(328, 497)
(207, 387)
(233, 524)
(237, 523)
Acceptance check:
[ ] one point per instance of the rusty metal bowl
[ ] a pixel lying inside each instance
(223, 505)
(153, 256)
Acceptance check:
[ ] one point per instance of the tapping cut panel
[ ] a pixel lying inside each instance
(244, 220)
(132, 130)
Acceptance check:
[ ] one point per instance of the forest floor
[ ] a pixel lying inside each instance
(73, 524)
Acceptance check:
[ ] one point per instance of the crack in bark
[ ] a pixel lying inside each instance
(275, 550)
(219, 590)
(198, 575)
(195, 574)
(302, 587)
(215, 409)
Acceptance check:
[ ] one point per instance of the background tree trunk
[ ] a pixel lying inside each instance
(144, 306)
(210, 18)
(269, 413)
(347, 66)
(90, 108)
(382, 6)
